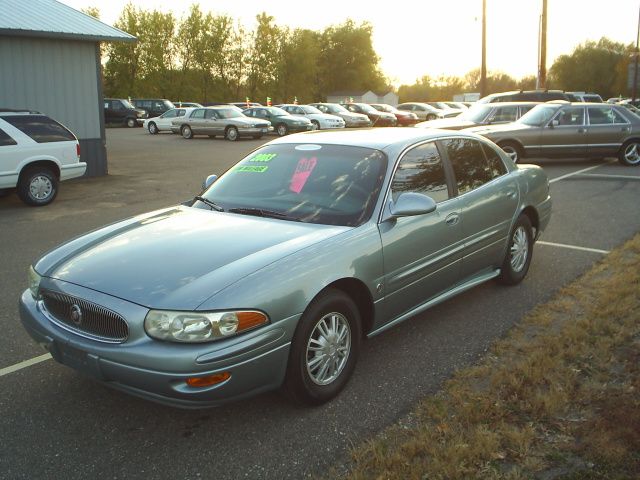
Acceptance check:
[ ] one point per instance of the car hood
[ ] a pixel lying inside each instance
(498, 129)
(247, 121)
(179, 257)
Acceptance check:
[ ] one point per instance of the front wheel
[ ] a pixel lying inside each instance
(37, 186)
(518, 258)
(186, 132)
(513, 150)
(431, 116)
(325, 349)
(231, 134)
(131, 122)
(629, 154)
(153, 128)
(282, 130)
(316, 125)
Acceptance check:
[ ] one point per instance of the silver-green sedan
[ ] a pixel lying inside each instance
(570, 130)
(274, 275)
(225, 121)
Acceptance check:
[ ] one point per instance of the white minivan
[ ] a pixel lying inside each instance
(36, 153)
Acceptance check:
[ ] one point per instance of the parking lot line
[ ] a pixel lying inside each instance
(615, 177)
(24, 364)
(573, 247)
(562, 177)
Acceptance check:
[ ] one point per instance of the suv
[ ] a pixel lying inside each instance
(587, 97)
(529, 96)
(153, 106)
(36, 152)
(120, 110)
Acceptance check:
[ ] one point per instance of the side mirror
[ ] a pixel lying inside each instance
(207, 183)
(410, 204)
(554, 123)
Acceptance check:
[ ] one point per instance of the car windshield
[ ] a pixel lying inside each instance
(310, 109)
(322, 184)
(538, 115)
(383, 108)
(127, 104)
(367, 108)
(335, 108)
(229, 112)
(475, 114)
(168, 104)
(278, 112)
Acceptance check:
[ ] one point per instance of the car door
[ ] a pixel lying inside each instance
(213, 123)
(422, 253)
(488, 199)
(164, 121)
(606, 131)
(197, 121)
(565, 135)
(9, 160)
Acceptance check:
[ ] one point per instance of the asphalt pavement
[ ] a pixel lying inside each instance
(55, 423)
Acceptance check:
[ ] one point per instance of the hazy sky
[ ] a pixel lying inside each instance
(433, 37)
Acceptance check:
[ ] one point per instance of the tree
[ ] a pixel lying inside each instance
(265, 58)
(594, 67)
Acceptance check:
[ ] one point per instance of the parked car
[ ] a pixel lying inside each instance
(283, 122)
(482, 114)
(529, 96)
(351, 119)
(321, 121)
(459, 105)
(163, 123)
(449, 111)
(275, 273)
(153, 106)
(378, 118)
(243, 105)
(121, 111)
(186, 104)
(570, 130)
(424, 111)
(225, 121)
(587, 97)
(36, 153)
(404, 119)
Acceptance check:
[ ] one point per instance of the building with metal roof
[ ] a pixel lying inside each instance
(50, 57)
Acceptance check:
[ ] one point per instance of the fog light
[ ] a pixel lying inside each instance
(209, 380)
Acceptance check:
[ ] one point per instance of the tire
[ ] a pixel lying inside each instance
(629, 154)
(431, 116)
(186, 132)
(282, 130)
(513, 150)
(324, 350)
(316, 125)
(518, 256)
(131, 122)
(38, 186)
(231, 134)
(153, 128)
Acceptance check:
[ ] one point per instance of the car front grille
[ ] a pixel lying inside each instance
(85, 318)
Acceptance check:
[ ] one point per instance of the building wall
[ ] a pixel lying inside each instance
(59, 78)
(390, 99)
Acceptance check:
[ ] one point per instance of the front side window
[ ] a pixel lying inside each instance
(169, 114)
(40, 128)
(504, 114)
(421, 171)
(323, 184)
(539, 115)
(5, 139)
(571, 116)
(469, 164)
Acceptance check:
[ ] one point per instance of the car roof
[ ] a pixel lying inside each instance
(377, 138)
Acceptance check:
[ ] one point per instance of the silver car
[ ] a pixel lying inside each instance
(570, 130)
(224, 120)
(274, 275)
(351, 119)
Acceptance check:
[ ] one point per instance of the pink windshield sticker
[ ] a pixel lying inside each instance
(301, 175)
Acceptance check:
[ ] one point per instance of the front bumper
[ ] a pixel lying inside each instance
(157, 370)
(357, 123)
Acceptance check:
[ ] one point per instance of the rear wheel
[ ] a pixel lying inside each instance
(629, 154)
(37, 186)
(518, 258)
(231, 134)
(513, 150)
(325, 349)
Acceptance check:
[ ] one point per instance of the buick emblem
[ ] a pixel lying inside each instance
(76, 314)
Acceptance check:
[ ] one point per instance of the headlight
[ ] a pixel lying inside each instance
(196, 327)
(34, 283)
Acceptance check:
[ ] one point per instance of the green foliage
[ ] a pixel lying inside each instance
(207, 57)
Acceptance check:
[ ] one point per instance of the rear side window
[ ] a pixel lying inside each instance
(495, 165)
(5, 139)
(469, 164)
(40, 128)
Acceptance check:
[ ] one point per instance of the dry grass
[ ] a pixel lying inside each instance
(558, 398)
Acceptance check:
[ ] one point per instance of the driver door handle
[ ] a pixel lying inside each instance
(452, 219)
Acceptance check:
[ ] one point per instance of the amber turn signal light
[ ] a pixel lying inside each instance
(209, 380)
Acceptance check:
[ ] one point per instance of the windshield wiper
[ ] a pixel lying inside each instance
(259, 212)
(209, 203)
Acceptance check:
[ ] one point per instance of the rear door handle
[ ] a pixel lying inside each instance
(625, 129)
(511, 193)
(452, 219)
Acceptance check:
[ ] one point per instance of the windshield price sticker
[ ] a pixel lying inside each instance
(252, 168)
(263, 157)
(301, 175)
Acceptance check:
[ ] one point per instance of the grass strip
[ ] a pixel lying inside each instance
(557, 398)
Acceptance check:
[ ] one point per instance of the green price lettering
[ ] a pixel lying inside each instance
(264, 157)
(252, 168)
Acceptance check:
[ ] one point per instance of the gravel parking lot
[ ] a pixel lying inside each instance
(54, 420)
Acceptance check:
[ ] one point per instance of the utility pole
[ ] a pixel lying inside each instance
(542, 70)
(483, 66)
(635, 72)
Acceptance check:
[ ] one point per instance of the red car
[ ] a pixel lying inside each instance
(405, 119)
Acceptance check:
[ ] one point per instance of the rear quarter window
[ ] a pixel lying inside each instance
(5, 139)
(40, 128)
